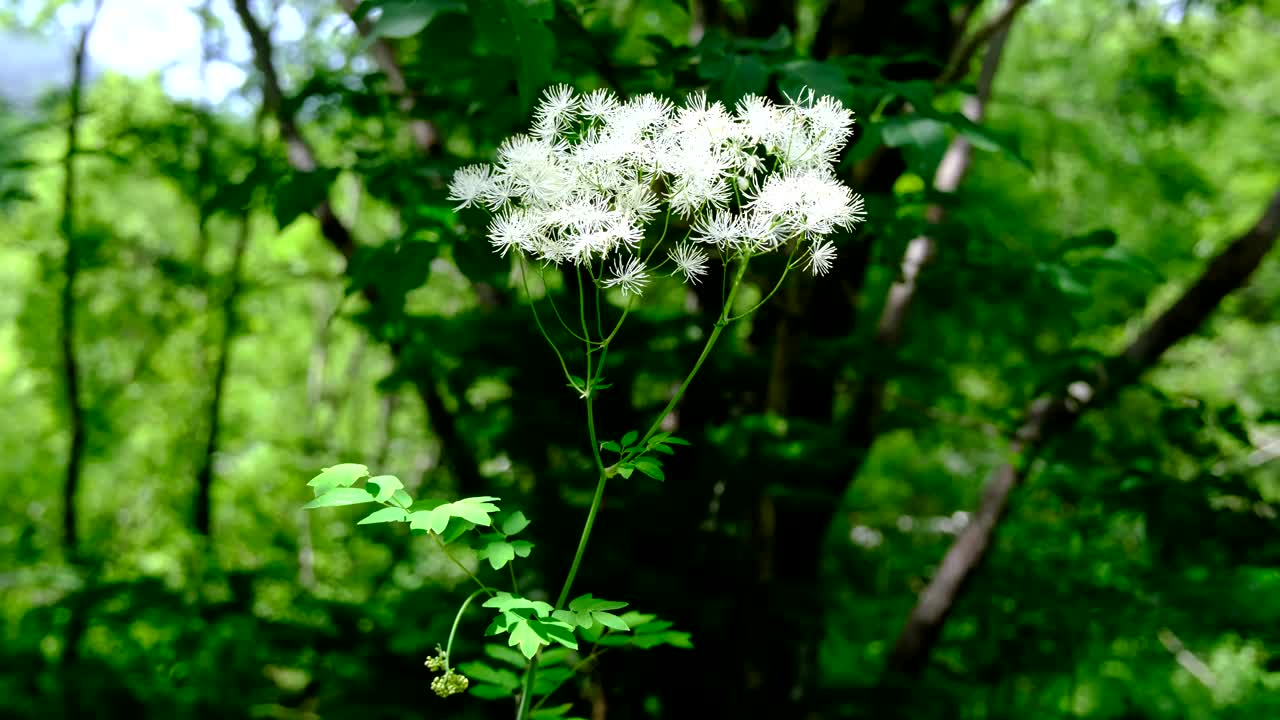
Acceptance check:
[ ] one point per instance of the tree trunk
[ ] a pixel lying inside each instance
(1050, 416)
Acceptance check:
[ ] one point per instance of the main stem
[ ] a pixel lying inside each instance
(526, 692)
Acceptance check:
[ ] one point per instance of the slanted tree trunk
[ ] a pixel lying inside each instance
(1050, 416)
(785, 598)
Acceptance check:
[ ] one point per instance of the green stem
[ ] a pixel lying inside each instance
(706, 350)
(596, 501)
(448, 649)
(538, 320)
(483, 587)
(775, 289)
(526, 690)
(593, 655)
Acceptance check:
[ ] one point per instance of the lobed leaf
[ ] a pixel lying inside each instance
(340, 496)
(385, 515)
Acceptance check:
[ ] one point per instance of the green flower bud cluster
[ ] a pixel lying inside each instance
(438, 661)
(450, 683)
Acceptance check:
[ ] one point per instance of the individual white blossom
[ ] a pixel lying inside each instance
(595, 171)
(599, 104)
(821, 255)
(471, 185)
(689, 261)
(628, 274)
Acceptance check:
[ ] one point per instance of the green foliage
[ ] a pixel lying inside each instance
(1133, 573)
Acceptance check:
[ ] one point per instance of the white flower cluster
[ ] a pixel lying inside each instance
(595, 170)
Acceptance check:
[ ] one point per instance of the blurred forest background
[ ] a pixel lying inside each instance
(1016, 457)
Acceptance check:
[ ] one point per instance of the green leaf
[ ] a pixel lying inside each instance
(635, 619)
(340, 496)
(505, 654)
(344, 475)
(474, 510)
(615, 640)
(302, 192)
(629, 439)
(821, 77)
(549, 679)
(490, 692)
(611, 621)
(575, 619)
(402, 499)
(913, 131)
(553, 712)
(743, 75)
(385, 515)
(655, 626)
(662, 449)
(673, 638)
(497, 627)
(585, 612)
(510, 604)
(553, 656)
(522, 547)
(387, 485)
(499, 553)
(625, 470)
(983, 138)
(406, 18)
(593, 633)
(673, 440)
(528, 640)
(556, 630)
(456, 528)
(514, 523)
(611, 446)
(481, 672)
(586, 603)
(516, 27)
(650, 466)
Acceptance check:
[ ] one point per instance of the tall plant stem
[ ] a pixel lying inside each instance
(526, 691)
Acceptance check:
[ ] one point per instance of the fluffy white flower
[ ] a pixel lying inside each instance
(599, 104)
(821, 256)
(689, 261)
(758, 119)
(554, 112)
(628, 274)
(470, 185)
(595, 170)
(808, 202)
(721, 229)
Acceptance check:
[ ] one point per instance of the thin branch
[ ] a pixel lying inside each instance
(301, 157)
(67, 298)
(425, 134)
(1050, 416)
(962, 55)
(222, 363)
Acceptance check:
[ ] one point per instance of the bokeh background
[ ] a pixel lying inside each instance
(227, 261)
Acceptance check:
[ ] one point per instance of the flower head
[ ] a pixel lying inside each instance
(595, 170)
(629, 274)
(821, 256)
(689, 261)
